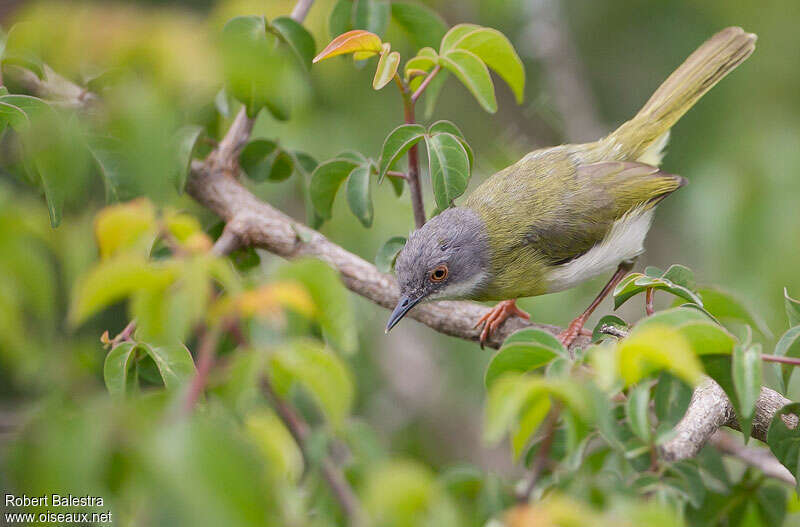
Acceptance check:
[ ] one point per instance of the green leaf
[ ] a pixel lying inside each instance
(636, 283)
(536, 336)
(187, 144)
(424, 26)
(788, 346)
(496, 51)
(113, 280)
(784, 442)
(707, 338)
(747, 380)
(447, 127)
(671, 399)
(335, 315)
(282, 455)
(358, 195)
(448, 164)
(518, 357)
(56, 151)
(384, 259)
(529, 421)
(386, 70)
(637, 408)
(256, 159)
(174, 363)
(109, 159)
(611, 321)
(454, 35)
(512, 393)
(725, 306)
(372, 15)
(325, 182)
(397, 143)
(472, 73)
(320, 373)
(297, 37)
(252, 63)
(117, 365)
(792, 308)
(12, 116)
(282, 166)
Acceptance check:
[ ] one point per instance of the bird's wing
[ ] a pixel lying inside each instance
(599, 195)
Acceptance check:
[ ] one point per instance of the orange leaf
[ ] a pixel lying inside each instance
(356, 41)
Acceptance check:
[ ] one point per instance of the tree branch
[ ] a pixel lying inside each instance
(56, 89)
(258, 224)
(709, 410)
(759, 458)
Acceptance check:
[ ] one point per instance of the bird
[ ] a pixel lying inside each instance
(564, 214)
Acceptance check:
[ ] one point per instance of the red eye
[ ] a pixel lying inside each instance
(439, 274)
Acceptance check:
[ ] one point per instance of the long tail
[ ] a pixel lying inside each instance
(717, 57)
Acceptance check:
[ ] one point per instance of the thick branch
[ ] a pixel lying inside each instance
(258, 224)
(53, 87)
(709, 410)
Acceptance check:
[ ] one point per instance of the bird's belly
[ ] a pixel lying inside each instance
(624, 241)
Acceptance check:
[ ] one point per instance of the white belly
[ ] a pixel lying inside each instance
(624, 241)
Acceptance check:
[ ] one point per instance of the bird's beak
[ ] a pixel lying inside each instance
(404, 305)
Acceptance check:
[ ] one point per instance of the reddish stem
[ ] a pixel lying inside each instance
(648, 302)
(417, 94)
(205, 359)
(782, 360)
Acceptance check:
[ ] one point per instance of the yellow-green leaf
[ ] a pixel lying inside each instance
(320, 373)
(654, 348)
(113, 280)
(127, 226)
(386, 70)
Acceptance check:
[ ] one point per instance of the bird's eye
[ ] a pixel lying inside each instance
(439, 274)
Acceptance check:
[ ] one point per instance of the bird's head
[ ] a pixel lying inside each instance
(446, 258)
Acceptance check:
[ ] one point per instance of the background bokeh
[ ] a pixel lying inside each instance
(737, 224)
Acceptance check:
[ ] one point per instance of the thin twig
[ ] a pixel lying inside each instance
(414, 186)
(333, 476)
(542, 454)
(301, 9)
(125, 334)
(782, 360)
(205, 359)
(395, 173)
(427, 80)
(760, 458)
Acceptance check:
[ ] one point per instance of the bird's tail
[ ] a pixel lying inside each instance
(717, 57)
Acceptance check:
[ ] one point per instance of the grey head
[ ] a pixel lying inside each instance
(448, 258)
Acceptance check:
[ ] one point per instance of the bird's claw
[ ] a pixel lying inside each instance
(571, 332)
(495, 317)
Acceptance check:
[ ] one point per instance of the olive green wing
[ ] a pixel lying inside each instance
(590, 203)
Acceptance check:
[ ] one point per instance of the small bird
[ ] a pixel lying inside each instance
(564, 214)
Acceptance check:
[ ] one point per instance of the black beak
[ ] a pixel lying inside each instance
(404, 305)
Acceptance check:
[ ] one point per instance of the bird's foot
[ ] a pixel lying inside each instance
(496, 316)
(571, 332)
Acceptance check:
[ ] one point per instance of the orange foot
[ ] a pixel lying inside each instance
(571, 332)
(497, 315)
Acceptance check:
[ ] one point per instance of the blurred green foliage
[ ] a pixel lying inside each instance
(401, 414)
